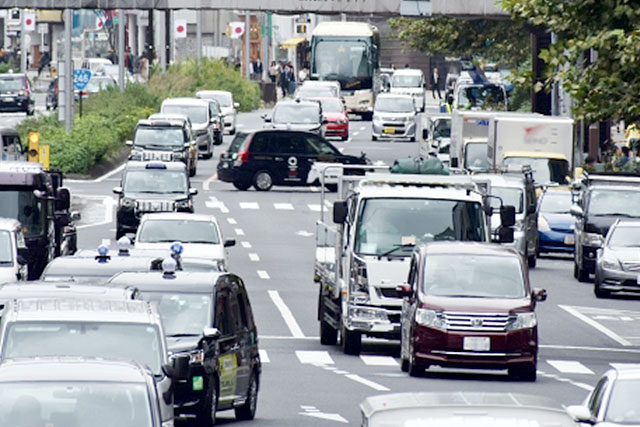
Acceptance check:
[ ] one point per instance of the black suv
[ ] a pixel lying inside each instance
(264, 158)
(603, 198)
(151, 187)
(208, 317)
(167, 138)
(16, 94)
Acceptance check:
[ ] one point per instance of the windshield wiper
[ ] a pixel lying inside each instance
(617, 214)
(395, 248)
(146, 191)
(182, 335)
(200, 241)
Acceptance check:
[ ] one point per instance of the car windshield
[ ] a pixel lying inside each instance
(476, 157)
(333, 105)
(296, 113)
(224, 99)
(150, 181)
(388, 104)
(147, 136)
(26, 208)
(614, 202)
(475, 276)
(11, 84)
(481, 97)
(196, 113)
(74, 403)
(183, 230)
(397, 225)
(6, 248)
(545, 171)
(442, 128)
(510, 197)
(556, 202)
(115, 340)
(405, 81)
(623, 403)
(625, 237)
(182, 313)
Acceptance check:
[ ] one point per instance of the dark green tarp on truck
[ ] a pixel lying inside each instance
(420, 166)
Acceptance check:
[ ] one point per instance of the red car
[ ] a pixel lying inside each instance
(469, 305)
(337, 116)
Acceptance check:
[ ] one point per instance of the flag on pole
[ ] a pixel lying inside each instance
(236, 29)
(29, 21)
(180, 28)
(99, 23)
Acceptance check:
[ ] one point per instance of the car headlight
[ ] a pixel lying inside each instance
(167, 423)
(430, 319)
(178, 155)
(127, 203)
(543, 225)
(523, 321)
(592, 239)
(367, 314)
(611, 263)
(183, 204)
(196, 356)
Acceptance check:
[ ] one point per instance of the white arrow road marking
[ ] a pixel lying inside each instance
(368, 383)
(331, 417)
(314, 357)
(286, 314)
(608, 332)
(213, 203)
(304, 233)
(379, 360)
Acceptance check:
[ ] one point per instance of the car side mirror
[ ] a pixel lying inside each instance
(178, 368)
(581, 414)
(63, 199)
(576, 211)
(404, 290)
(236, 105)
(267, 119)
(425, 134)
(213, 333)
(193, 191)
(507, 215)
(229, 243)
(117, 190)
(324, 121)
(340, 212)
(539, 294)
(75, 216)
(505, 235)
(129, 143)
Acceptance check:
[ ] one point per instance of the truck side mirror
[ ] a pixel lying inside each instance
(507, 215)
(178, 368)
(425, 134)
(229, 243)
(505, 235)
(340, 212)
(117, 190)
(576, 211)
(63, 199)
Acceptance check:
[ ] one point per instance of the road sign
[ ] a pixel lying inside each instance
(81, 78)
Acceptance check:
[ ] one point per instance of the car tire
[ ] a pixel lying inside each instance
(206, 415)
(232, 131)
(532, 261)
(242, 185)
(374, 138)
(248, 410)
(351, 341)
(413, 368)
(580, 273)
(346, 137)
(262, 180)
(526, 372)
(598, 291)
(328, 334)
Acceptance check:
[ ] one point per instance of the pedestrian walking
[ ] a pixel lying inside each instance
(292, 79)
(284, 80)
(435, 83)
(45, 61)
(274, 71)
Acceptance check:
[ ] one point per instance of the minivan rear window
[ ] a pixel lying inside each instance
(238, 142)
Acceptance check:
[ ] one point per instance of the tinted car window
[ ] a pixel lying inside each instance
(316, 145)
(223, 313)
(238, 142)
(259, 144)
(286, 144)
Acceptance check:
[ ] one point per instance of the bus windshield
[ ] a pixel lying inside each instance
(349, 61)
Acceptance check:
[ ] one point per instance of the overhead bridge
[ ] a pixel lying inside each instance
(425, 8)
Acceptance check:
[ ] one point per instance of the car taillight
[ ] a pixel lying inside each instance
(26, 88)
(242, 158)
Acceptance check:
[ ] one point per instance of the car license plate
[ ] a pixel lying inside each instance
(569, 240)
(476, 343)
(225, 165)
(8, 99)
(389, 130)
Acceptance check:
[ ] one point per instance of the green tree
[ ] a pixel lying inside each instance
(605, 84)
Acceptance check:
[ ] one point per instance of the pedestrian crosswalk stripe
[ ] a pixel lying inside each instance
(249, 205)
(283, 206)
(570, 367)
(314, 357)
(246, 245)
(379, 360)
(254, 257)
(264, 357)
(316, 208)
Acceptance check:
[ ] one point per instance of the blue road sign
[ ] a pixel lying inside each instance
(81, 78)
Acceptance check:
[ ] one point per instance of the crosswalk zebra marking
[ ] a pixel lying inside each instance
(379, 360)
(314, 357)
(249, 205)
(283, 206)
(570, 367)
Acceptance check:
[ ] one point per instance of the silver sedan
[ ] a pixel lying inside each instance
(618, 260)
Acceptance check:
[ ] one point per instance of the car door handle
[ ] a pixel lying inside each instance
(278, 158)
(236, 347)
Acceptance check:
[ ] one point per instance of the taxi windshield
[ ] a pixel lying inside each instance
(196, 113)
(150, 181)
(297, 114)
(147, 136)
(183, 313)
(6, 248)
(87, 403)
(185, 231)
(116, 340)
(556, 202)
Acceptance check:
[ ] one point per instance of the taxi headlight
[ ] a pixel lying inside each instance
(523, 321)
(127, 203)
(183, 204)
(592, 239)
(429, 318)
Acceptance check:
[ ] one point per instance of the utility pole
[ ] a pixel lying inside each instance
(68, 71)
(199, 36)
(247, 44)
(167, 35)
(121, 64)
(23, 43)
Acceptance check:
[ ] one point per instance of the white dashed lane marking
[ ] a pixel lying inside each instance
(254, 257)
(249, 205)
(314, 357)
(239, 231)
(263, 275)
(283, 206)
(246, 245)
(379, 360)
(570, 367)
(232, 221)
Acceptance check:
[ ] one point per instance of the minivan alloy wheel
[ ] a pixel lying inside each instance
(263, 181)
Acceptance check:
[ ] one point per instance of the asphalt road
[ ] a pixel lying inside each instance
(305, 383)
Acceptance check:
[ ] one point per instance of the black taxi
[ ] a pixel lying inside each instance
(207, 316)
(268, 157)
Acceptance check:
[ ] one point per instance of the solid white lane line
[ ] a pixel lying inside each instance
(314, 357)
(249, 205)
(356, 133)
(246, 245)
(379, 360)
(232, 221)
(368, 383)
(263, 275)
(283, 206)
(570, 367)
(264, 357)
(608, 332)
(286, 314)
(254, 257)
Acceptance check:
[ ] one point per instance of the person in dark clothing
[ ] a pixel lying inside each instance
(435, 83)
(284, 80)
(45, 61)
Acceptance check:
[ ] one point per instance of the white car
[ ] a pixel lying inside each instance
(13, 251)
(199, 235)
(227, 106)
(409, 81)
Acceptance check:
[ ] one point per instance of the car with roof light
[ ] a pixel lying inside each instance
(88, 327)
(205, 121)
(16, 94)
(300, 115)
(199, 235)
(151, 187)
(479, 315)
(268, 157)
(337, 116)
(480, 409)
(79, 391)
(410, 81)
(208, 317)
(167, 138)
(555, 223)
(13, 251)
(394, 116)
(613, 401)
(618, 260)
(228, 106)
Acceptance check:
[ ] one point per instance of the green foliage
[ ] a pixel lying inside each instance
(505, 42)
(607, 87)
(5, 67)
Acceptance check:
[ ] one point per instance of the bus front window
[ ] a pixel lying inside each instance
(344, 60)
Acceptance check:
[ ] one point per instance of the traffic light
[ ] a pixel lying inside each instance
(34, 146)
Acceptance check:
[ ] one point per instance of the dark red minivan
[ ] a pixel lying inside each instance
(469, 305)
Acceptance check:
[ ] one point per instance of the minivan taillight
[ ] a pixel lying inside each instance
(242, 158)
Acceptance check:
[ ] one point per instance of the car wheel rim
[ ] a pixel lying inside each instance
(263, 180)
(214, 398)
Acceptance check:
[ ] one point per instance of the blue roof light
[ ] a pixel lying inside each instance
(177, 248)
(103, 250)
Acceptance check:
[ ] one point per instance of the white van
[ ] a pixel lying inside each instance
(13, 251)
(410, 81)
